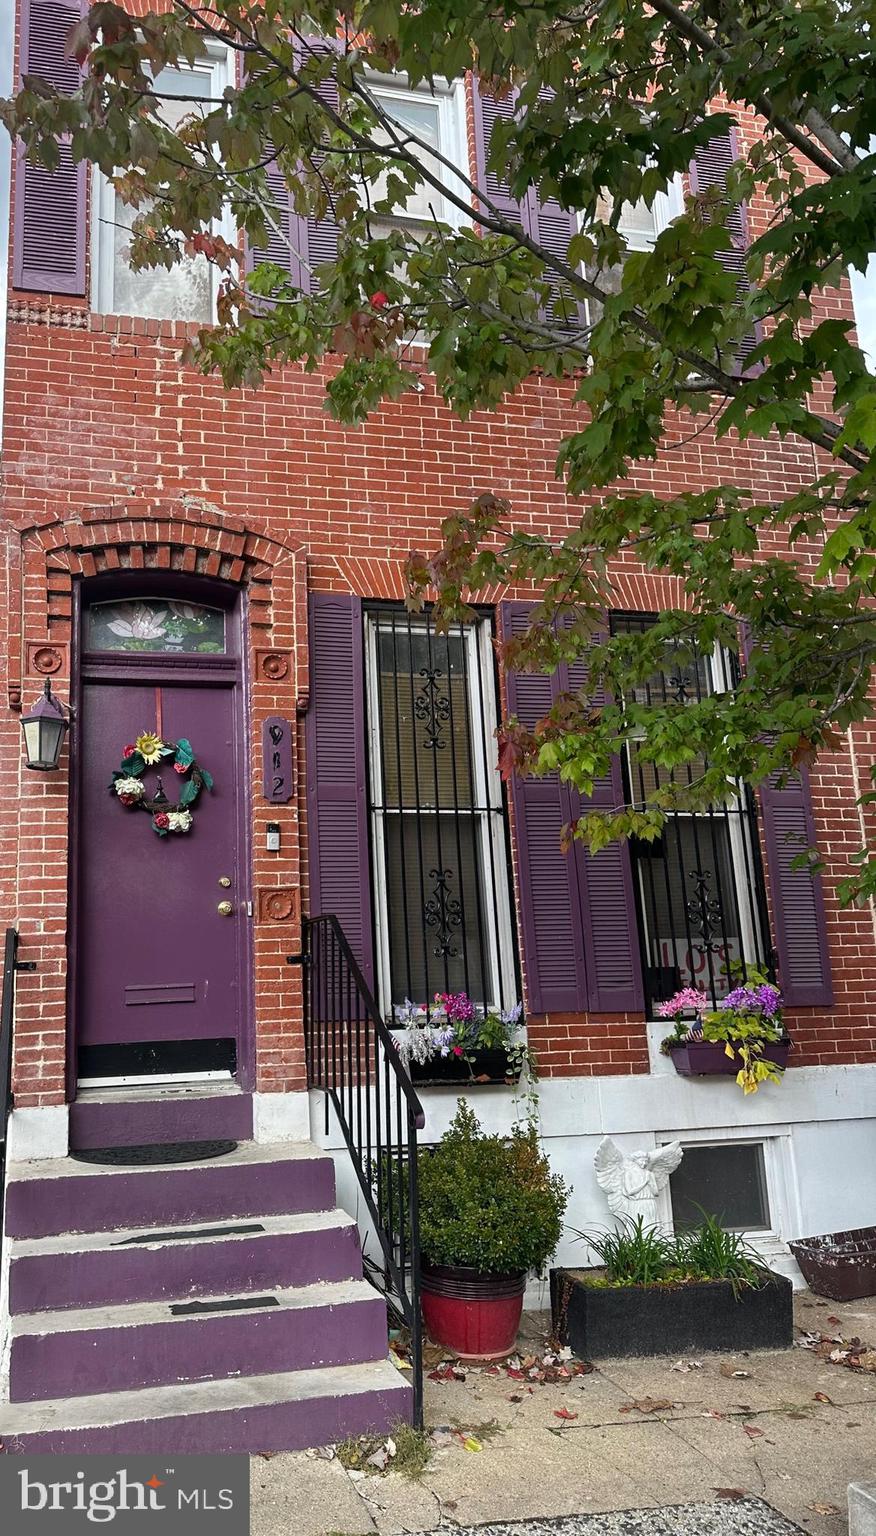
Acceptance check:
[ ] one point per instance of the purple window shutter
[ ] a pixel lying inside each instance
(552, 226)
(710, 168)
(797, 895)
(49, 236)
(550, 908)
(487, 111)
(321, 235)
(340, 868)
(287, 242)
(608, 903)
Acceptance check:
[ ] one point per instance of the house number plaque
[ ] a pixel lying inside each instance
(277, 759)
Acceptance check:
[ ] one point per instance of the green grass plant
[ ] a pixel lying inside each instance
(634, 1254)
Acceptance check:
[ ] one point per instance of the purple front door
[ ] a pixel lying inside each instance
(160, 957)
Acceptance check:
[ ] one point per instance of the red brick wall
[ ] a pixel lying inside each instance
(116, 456)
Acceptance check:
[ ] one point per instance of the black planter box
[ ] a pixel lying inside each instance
(669, 1319)
(483, 1067)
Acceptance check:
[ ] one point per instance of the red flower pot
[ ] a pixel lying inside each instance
(475, 1315)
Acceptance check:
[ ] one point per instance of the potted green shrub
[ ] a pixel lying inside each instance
(742, 1037)
(654, 1293)
(490, 1211)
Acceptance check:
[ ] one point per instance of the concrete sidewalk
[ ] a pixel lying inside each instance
(793, 1432)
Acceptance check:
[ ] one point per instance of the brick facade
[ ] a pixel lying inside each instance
(115, 457)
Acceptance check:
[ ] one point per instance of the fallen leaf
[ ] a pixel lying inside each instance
(648, 1405)
(835, 1321)
(563, 1413)
(712, 1413)
(515, 1398)
(471, 1444)
(729, 1371)
(731, 1493)
(821, 1397)
(753, 1432)
(687, 1365)
(823, 1509)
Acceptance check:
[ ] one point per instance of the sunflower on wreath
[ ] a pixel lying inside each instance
(147, 752)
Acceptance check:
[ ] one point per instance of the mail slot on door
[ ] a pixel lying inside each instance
(279, 783)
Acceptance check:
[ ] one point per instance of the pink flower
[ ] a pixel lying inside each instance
(128, 799)
(181, 767)
(129, 750)
(687, 999)
(161, 820)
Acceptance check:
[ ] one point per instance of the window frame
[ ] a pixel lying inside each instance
(665, 207)
(220, 65)
(452, 140)
(492, 841)
(754, 935)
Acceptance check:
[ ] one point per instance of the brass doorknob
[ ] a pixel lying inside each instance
(225, 909)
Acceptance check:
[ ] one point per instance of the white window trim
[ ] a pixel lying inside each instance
(221, 67)
(665, 207)
(500, 941)
(453, 141)
(779, 1171)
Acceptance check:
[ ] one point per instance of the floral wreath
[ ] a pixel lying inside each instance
(146, 752)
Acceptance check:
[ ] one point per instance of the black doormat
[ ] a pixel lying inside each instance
(155, 1156)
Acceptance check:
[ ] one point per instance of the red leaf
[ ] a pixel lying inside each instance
(563, 1413)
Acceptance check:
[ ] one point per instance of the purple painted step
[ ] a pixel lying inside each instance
(45, 1199)
(264, 1413)
(117, 1349)
(149, 1119)
(88, 1270)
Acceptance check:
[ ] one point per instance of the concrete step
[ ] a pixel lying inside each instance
(146, 1344)
(278, 1412)
(126, 1117)
(94, 1269)
(49, 1197)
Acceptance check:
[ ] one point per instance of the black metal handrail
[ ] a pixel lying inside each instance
(351, 1056)
(7, 1017)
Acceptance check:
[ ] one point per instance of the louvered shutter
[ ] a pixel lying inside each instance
(550, 908)
(340, 874)
(487, 111)
(49, 238)
(710, 168)
(608, 903)
(286, 243)
(552, 226)
(322, 234)
(797, 895)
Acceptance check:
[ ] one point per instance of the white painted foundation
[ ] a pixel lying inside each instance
(280, 1117)
(38, 1132)
(818, 1128)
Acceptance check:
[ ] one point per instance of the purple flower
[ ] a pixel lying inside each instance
(763, 999)
(511, 1016)
(458, 1006)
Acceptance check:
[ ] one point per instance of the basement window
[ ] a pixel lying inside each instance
(724, 1179)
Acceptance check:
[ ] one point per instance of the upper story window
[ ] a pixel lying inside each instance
(438, 120)
(185, 292)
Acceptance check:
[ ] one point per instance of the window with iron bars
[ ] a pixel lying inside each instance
(437, 813)
(699, 887)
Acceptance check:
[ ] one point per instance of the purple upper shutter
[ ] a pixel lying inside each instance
(340, 873)
(49, 238)
(552, 226)
(487, 111)
(608, 904)
(550, 909)
(797, 896)
(710, 167)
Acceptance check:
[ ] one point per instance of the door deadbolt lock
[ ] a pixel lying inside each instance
(225, 881)
(225, 909)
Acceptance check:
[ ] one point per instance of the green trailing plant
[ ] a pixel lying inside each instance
(747, 1020)
(489, 1202)
(634, 1254)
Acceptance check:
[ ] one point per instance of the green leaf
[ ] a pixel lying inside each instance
(184, 753)
(189, 793)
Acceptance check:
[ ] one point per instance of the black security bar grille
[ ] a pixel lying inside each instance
(703, 917)
(437, 812)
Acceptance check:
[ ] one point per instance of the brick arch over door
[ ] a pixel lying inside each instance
(43, 563)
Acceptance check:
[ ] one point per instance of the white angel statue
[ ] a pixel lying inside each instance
(632, 1184)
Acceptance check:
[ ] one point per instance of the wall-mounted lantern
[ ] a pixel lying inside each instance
(44, 730)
